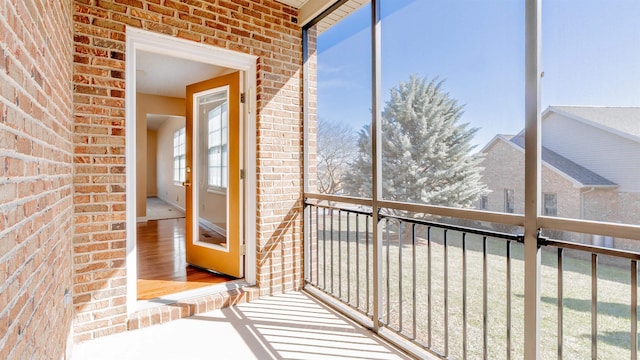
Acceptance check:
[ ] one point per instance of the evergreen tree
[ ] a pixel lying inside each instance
(426, 152)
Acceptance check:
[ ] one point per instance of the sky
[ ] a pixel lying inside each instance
(590, 56)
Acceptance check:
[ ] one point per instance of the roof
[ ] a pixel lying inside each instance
(579, 173)
(624, 121)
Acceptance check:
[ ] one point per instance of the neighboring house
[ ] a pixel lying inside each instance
(592, 174)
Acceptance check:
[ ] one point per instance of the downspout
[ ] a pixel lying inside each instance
(582, 213)
(582, 194)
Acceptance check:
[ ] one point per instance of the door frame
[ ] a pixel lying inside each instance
(138, 39)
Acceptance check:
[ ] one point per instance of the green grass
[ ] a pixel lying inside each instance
(613, 293)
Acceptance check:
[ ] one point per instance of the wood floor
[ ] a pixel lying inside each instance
(162, 268)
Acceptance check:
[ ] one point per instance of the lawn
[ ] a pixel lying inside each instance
(349, 263)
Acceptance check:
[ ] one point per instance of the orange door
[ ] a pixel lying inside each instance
(213, 188)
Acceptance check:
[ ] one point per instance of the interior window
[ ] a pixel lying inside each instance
(508, 201)
(218, 146)
(179, 155)
(550, 204)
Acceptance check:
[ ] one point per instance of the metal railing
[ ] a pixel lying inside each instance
(456, 291)
(452, 238)
(341, 246)
(594, 253)
(340, 263)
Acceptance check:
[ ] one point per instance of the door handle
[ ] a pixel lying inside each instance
(184, 183)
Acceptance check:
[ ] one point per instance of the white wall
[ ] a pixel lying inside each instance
(149, 104)
(169, 191)
(606, 154)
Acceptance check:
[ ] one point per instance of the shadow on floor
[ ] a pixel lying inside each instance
(287, 326)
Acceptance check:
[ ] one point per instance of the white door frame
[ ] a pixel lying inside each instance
(167, 45)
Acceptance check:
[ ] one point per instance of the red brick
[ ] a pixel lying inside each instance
(262, 28)
(43, 108)
(111, 6)
(134, 3)
(161, 10)
(189, 18)
(176, 5)
(145, 15)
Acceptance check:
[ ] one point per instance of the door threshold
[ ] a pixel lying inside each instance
(188, 303)
(188, 294)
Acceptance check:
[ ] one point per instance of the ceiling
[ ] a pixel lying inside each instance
(295, 3)
(309, 9)
(169, 76)
(154, 121)
(164, 75)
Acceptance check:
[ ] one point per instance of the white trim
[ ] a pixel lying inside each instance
(311, 9)
(138, 39)
(130, 161)
(576, 183)
(174, 204)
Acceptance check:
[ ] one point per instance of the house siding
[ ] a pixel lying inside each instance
(263, 28)
(600, 151)
(36, 203)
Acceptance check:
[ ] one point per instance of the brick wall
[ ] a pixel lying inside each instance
(504, 169)
(36, 205)
(263, 28)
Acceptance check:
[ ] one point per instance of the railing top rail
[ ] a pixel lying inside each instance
(339, 208)
(471, 214)
(589, 248)
(627, 231)
(488, 233)
(338, 199)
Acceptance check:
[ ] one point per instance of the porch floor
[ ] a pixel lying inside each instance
(287, 326)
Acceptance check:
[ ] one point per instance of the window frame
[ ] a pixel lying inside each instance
(483, 202)
(223, 145)
(509, 195)
(179, 155)
(545, 196)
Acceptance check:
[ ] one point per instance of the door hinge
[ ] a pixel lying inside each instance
(243, 249)
(243, 98)
(242, 174)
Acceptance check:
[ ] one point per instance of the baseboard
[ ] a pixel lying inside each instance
(172, 203)
(213, 227)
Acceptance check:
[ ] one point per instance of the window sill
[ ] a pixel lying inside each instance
(217, 191)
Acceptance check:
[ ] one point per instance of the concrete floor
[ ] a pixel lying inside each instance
(288, 326)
